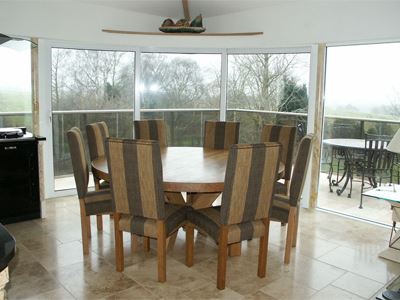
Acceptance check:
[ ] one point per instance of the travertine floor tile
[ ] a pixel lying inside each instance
(287, 288)
(334, 293)
(136, 292)
(362, 263)
(59, 294)
(30, 280)
(358, 285)
(94, 278)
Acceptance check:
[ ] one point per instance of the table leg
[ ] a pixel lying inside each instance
(201, 200)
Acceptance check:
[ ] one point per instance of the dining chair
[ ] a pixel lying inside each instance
(285, 135)
(220, 135)
(93, 202)
(138, 197)
(96, 135)
(151, 130)
(286, 201)
(377, 162)
(250, 176)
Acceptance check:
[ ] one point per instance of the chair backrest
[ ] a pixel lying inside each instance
(151, 130)
(136, 177)
(251, 173)
(285, 135)
(220, 135)
(96, 135)
(300, 169)
(376, 157)
(79, 162)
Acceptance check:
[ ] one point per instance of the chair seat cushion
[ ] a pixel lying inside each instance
(209, 220)
(98, 202)
(175, 217)
(281, 201)
(280, 208)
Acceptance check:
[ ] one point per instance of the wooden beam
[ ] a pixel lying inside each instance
(186, 12)
(183, 33)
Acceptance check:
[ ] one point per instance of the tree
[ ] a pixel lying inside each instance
(294, 96)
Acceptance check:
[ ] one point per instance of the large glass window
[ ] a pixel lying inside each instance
(267, 88)
(89, 86)
(362, 98)
(182, 89)
(15, 84)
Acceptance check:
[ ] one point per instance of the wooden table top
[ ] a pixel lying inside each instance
(186, 169)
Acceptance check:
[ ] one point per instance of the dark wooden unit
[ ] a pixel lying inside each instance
(19, 179)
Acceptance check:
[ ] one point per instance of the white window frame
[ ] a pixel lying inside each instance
(45, 52)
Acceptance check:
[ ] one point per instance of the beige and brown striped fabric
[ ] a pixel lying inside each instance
(300, 169)
(97, 202)
(281, 203)
(79, 162)
(285, 135)
(96, 135)
(220, 135)
(249, 182)
(136, 182)
(151, 130)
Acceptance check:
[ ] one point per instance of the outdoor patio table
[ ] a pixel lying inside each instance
(348, 146)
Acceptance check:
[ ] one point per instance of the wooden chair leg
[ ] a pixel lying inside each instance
(84, 227)
(222, 257)
(235, 249)
(88, 227)
(134, 242)
(119, 247)
(161, 251)
(189, 245)
(289, 235)
(146, 244)
(263, 251)
(99, 220)
(296, 227)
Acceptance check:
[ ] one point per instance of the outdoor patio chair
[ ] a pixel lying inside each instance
(377, 163)
(91, 203)
(250, 176)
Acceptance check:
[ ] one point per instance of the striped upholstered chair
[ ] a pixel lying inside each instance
(285, 207)
(91, 203)
(138, 196)
(151, 130)
(220, 135)
(250, 177)
(96, 135)
(285, 135)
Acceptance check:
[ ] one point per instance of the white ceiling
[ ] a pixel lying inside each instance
(173, 8)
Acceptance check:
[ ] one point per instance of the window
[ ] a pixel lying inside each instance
(263, 87)
(15, 84)
(89, 86)
(182, 89)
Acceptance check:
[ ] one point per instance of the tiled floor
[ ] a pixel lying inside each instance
(336, 258)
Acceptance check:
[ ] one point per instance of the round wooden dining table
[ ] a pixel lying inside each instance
(196, 170)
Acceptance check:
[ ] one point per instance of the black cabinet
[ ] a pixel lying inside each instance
(19, 179)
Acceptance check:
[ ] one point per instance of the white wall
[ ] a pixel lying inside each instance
(288, 23)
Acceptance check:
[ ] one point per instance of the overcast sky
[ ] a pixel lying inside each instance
(364, 76)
